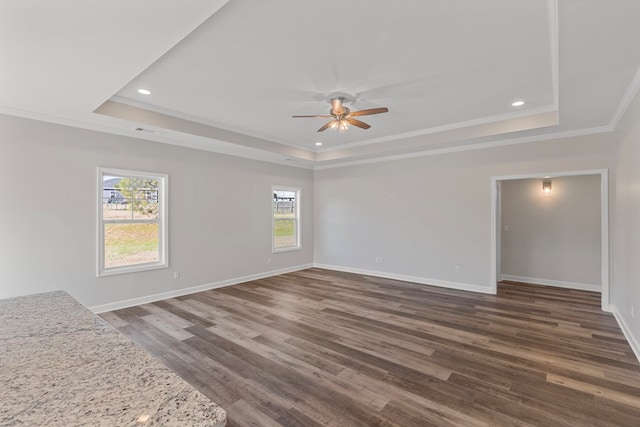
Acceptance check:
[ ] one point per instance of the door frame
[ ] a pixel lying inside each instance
(604, 223)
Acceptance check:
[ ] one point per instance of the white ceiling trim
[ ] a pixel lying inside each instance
(478, 146)
(398, 137)
(434, 134)
(630, 93)
(449, 127)
(583, 50)
(172, 123)
(65, 121)
(456, 136)
(191, 118)
(194, 142)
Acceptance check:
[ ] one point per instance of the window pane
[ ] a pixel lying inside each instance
(126, 197)
(144, 198)
(116, 211)
(129, 244)
(285, 220)
(284, 234)
(114, 204)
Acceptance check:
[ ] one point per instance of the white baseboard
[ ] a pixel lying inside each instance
(192, 290)
(415, 279)
(556, 283)
(626, 331)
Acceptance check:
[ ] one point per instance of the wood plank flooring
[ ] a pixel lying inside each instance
(323, 348)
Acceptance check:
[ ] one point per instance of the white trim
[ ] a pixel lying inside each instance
(287, 249)
(553, 108)
(626, 330)
(193, 289)
(436, 129)
(196, 119)
(494, 273)
(551, 174)
(604, 223)
(629, 94)
(135, 268)
(468, 147)
(230, 149)
(406, 278)
(163, 222)
(556, 283)
(604, 238)
(202, 143)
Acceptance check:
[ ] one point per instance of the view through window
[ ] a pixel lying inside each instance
(131, 221)
(286, 219)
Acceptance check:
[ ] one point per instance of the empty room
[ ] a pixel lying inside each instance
(250, 213)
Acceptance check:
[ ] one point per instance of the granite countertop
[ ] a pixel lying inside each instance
(61, 365)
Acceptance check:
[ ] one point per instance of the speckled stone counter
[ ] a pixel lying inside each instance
(61, 365)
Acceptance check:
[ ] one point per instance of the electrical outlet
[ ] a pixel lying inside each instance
(457, 269)
(632, 311)
(268, 260)
(176, 274)
(379, 260)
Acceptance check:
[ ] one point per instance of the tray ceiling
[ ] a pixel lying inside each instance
(227, 76)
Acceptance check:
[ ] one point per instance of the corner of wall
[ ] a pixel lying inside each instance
(406, 278)
(626, 330)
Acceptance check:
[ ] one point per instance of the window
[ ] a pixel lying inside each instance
(286, 219)
(132, 221)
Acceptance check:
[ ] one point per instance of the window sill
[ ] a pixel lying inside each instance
(296, 248)
(132, 269)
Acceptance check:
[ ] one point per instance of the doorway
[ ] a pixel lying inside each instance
(496, 229)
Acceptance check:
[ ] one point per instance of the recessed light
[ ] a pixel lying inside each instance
(518, 104)
(144, 91)
(318, 143)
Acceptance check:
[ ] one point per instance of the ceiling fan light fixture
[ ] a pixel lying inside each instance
(342, 117)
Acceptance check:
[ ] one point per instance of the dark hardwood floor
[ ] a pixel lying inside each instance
(322, 348)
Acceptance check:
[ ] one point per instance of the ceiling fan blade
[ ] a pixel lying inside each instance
(326, 126)
(369, 112)
(312, 117)
(336, 106)
(357, 123)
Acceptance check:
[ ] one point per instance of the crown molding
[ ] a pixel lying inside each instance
(469, 147)
(629, 94)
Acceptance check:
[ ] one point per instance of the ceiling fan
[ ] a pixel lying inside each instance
(341, 117)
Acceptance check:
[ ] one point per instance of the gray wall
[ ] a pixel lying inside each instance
(418, 217)
(426, 215)
(626, 226)
(554, 238)
(219, 213)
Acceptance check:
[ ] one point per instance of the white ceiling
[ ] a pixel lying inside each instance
(227, 76)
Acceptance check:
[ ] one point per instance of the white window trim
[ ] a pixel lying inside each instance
(163, 215)
(298, 245)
